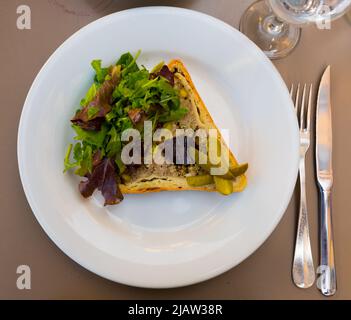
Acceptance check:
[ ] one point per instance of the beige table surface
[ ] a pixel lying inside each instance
(264, 275)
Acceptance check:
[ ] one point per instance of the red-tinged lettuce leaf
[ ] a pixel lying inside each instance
(92, 125)
(97, 158)
(167, 74)
(135, 115)
(109, 188)
(100, 105)
(104, 179)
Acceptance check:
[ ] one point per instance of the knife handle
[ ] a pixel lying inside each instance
(327, 283)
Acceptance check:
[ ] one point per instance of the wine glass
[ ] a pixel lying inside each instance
(274, 25)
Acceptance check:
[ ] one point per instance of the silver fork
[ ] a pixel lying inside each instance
(303, 270)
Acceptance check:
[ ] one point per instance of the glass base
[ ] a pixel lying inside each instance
(275, 38)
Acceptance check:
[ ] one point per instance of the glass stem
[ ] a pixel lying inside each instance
(273, 25)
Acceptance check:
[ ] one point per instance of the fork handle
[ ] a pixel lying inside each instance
(303, 270)
(327, 283)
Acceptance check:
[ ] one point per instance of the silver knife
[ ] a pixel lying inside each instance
(327, 281)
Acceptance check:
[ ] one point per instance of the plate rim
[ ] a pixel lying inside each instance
(55, 238)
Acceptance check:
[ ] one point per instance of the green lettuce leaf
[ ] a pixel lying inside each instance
(173, 115)
(128, 62)
(86, 161)
(101, 73)
(95, 138)
(114, 145)
(83, 159)
(90, 95)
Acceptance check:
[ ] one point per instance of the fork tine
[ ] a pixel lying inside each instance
(309, 107)
(291, 90)
(302, 112)
(292, 96)
(297, 99)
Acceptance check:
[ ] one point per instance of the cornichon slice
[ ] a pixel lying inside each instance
(233, 172)
(223, 186)
(239, 170)
(199, 181)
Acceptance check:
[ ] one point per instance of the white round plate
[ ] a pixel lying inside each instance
(166, 239)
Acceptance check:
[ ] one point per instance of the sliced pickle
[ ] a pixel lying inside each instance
(224, 186)
(199, 181)
(227, 176)
(234, 171)
(239, 170)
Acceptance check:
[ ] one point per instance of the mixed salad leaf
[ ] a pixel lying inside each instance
(122, 96)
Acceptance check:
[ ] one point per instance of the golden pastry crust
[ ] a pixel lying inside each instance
(170, 183)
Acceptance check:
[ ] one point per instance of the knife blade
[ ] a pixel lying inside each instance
(324, 148)
(324, 139)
